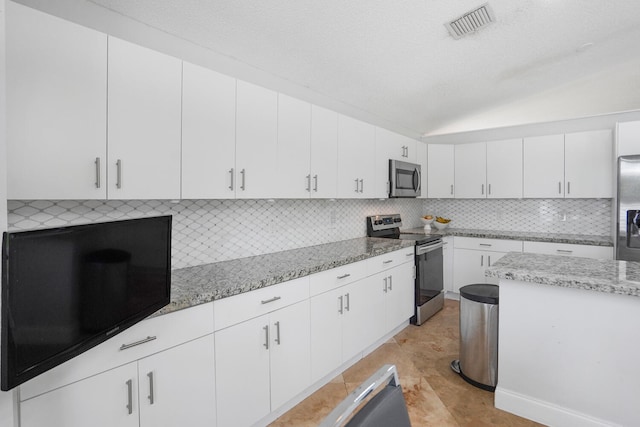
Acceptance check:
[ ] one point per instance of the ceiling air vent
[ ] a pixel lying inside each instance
(471, 21)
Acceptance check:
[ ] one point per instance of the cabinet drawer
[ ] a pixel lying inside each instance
(167, 331)
(566, 249)
(390, 260)
(496, 245)
(236, 309)
(336, 277)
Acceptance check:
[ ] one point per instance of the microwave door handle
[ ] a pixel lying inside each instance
(416, 180)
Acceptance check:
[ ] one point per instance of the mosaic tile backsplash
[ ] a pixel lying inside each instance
(208, 231)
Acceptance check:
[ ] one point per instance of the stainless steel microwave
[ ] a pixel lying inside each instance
(404, 179)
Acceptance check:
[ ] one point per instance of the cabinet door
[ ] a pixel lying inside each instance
(628, 138)
(447, 260)
(440, 171)
(56, 107)
(356, 158)
(504, 169)
(470, 171)
(324, 153)
(242, 372)
(256, 141)
(104, 400)
(294, 149)
(290, 352)
(588, 163)
(421, 159)
(363, 319)
(543, 167)
(469, 268)
(208, 134)
(177, 386)
(326, 332)
(144, 98)
(400, 296)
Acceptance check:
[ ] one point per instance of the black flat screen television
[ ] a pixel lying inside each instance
(66, 290)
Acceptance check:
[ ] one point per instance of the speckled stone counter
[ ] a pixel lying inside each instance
(609, 276)
(204, 283)
(576, 239)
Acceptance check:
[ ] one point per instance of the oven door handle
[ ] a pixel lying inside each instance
(421, 250)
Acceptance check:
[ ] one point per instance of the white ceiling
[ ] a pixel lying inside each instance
(395, 59)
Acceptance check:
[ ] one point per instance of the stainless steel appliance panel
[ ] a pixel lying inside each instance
(404, 179)
(429, 281)
(628, 209)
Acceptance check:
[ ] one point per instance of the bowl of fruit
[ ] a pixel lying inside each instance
(441, 223)
(427, 220)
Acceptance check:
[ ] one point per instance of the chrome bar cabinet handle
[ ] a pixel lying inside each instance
(315, 183)
(481, 260)
(97, 163)
(344, 276)
(267, 301)
(341, 309)
(231, 182)
(452, 189)
(150, 397)
(482, 190)
(277, 332)
(385, 285)
(244, 176)
(133, 344)
(559, 187)
(308, 183)
(362, 185)
(390, 283)
(568, 187)
(129, 384)
(357, 186)
(347, 305)
(119, 174)
(266, 337)
(489, 189)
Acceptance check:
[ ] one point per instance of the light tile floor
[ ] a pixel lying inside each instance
(435, 395)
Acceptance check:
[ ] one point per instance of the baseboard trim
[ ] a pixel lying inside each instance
(544, 412)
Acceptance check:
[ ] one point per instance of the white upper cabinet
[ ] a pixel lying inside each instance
(356, 157)
(504, 169)
(588, 163)
(208, 134)
(324, 153)
(144, 125)
(294, 149)
(421, 159)
(574, 165)
(470, 170)
(390, 146)
(628, 138)
(256, 141)
(56, 107)
(543, 166)
(440, 171)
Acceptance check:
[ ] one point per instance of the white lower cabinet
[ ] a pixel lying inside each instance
(398, 292)
(99, 401)
(262, 363)
(173, 387)
(472, 256)
(567, 249)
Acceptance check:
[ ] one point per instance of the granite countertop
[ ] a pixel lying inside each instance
(608, 276)
(576, 239)
(209, 282)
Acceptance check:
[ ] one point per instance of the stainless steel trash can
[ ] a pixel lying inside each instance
(478, 363)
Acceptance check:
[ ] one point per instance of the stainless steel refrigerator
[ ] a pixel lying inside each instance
(628, 212)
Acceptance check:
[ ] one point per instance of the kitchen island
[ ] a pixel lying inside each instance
(568, 339)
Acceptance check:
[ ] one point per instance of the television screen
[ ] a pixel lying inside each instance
(65, 290)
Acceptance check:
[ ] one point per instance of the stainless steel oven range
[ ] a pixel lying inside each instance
(429, 293)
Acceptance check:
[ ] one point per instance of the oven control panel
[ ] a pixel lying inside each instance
(384, 222)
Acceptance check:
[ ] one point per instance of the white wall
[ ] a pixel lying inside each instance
(6, 398)
(605, 121)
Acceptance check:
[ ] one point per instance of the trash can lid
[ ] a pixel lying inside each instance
(481, 292)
